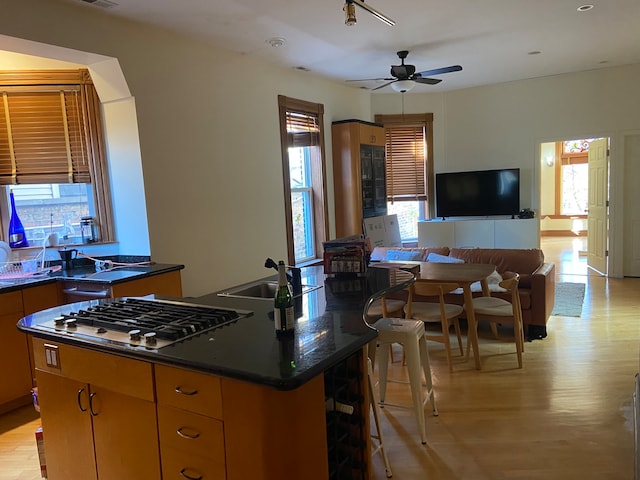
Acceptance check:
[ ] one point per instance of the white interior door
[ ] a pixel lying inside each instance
(631, 222)
(597, 217)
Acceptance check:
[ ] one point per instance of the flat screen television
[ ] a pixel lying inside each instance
(479, 193)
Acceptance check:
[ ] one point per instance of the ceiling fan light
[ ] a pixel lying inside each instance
(403, 85)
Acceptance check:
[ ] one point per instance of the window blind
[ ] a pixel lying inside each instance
(302, 129)
(43, 138)
(405, 162)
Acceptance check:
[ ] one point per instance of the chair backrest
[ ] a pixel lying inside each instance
(510, 283)
(426, 288)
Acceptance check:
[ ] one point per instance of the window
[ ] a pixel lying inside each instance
(302, 138)
(409, 170)
(52, 155)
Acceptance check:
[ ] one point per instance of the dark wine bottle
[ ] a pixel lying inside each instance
(17, 237)
(283, 304)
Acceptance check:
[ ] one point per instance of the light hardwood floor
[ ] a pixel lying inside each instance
(565, 415)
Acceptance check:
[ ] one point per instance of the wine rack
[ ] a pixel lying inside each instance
(348, 442)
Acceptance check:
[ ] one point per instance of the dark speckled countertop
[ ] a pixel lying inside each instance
(329, 328)
(86, 271)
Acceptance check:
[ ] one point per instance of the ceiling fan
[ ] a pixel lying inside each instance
(404, 77)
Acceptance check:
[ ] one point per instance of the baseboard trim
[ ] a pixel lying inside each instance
(562, 233)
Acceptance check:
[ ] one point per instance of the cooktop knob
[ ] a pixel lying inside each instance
(59, 321)
(72, 323)
(150, 338)
(134, 335)
(101, 330)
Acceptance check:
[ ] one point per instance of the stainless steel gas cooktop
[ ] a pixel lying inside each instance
(141, 323)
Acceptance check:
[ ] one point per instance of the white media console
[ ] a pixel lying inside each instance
(480, 233)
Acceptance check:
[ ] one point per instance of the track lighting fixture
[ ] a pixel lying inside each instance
(350, 13)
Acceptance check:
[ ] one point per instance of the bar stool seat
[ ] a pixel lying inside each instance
(411, 335)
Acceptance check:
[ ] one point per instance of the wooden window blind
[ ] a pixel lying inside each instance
(302, 130)
(407, 148)
(51, 132)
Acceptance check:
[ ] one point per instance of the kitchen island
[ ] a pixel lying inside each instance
(231, 402)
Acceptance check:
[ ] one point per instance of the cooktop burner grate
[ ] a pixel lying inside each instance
(169, 321)
(141, 322)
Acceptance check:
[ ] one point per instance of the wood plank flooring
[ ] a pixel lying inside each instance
(565, 415)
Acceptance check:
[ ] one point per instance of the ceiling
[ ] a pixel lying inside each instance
(494, 40)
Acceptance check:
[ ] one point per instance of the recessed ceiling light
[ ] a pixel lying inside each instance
(585, 8)
(534, 52)
(277, 42)
(303, 69)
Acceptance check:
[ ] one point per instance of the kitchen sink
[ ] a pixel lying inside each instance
(262, 290)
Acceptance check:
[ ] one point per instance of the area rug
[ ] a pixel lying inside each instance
(569, 299)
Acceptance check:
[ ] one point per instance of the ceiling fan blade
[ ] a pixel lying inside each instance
(382, 86)
(428, 81)
(438, 71)
(370, 80)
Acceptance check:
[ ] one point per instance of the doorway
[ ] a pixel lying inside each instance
(566, 191)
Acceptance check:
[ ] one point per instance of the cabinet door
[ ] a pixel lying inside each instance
(367, 175)
(68, 438)
(380, 181)
(125, 436)
(14, 356)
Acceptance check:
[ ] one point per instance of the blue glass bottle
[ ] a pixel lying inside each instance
(17, 237)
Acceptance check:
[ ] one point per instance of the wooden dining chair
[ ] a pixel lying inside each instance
(499, 311)
(430, 311)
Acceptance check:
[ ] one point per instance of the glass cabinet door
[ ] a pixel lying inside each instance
(367, 174)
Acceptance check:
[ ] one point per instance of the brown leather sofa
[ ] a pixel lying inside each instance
(537, 278)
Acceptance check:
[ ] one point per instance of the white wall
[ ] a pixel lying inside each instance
(209, 140)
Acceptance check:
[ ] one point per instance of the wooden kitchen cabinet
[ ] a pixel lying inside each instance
(191, 424)
(14, 354)
(15, 351)
(358, 174)
(96, 406)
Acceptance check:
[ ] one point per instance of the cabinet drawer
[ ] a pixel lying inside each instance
(119, 374)
(191, 433)
(193, 391)
(178, 465)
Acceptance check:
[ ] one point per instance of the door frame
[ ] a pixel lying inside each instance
(615, 177)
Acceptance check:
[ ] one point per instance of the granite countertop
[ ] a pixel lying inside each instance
(329, 328)
(86, 271)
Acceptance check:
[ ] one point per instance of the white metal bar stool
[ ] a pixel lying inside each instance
(411, 335)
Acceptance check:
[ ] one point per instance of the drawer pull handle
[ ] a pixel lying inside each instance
(190, 436)
(185, 392)
(184, 474)
(82, 409)
(93, 414)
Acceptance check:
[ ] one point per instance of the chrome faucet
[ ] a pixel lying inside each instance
(294, 275)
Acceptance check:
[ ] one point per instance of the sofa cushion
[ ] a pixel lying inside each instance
(379, 254)
(437, 258)
(407, 255)
(522, 261)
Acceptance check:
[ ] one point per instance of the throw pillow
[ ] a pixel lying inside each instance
(437, 258)
(404, 255)
(493, 281)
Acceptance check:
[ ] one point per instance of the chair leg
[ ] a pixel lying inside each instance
(415, 380)
(426, 368)
(494, 329)
(382, 370)
(447, 342)
(373, 397)
(517, 332)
